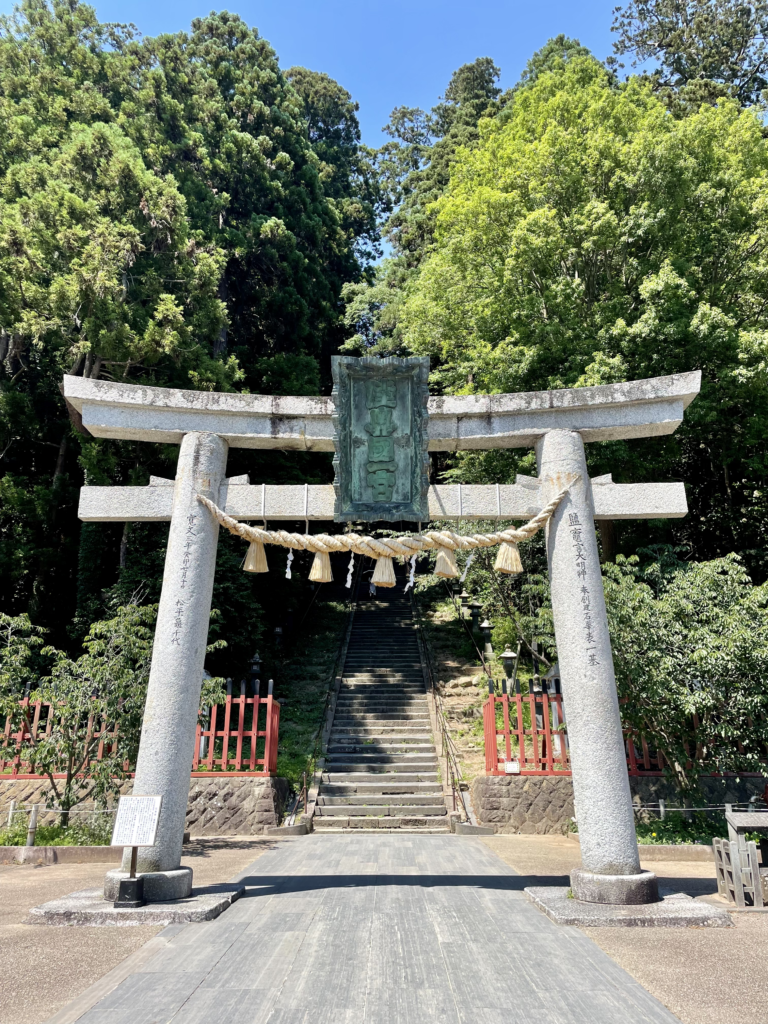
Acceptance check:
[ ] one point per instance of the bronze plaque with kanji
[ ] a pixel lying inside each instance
(380, 421)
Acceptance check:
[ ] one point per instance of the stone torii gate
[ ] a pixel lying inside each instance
(556, 423)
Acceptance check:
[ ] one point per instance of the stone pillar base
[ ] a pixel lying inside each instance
(159, 886)
(624, 890)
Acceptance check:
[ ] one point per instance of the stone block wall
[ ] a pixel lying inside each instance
(235, 806)
(540, 804)
(218, 805)
(531, 804)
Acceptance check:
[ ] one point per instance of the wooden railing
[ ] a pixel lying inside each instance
(530, 730)
(234, 741)
(36, 716)
(532, 742)
(231, 741)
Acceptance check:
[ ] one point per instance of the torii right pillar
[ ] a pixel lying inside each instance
(610, 871)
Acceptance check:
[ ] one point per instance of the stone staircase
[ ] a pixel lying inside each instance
(381, 766)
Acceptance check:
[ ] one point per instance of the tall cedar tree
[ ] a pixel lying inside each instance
(173, 211)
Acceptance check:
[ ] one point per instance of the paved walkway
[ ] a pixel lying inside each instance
(391, 929)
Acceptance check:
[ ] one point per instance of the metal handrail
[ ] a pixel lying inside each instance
(454, 774)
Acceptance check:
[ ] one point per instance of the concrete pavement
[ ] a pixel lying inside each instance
(379, 929)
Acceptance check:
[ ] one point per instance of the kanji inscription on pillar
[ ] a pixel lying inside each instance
(380, 438)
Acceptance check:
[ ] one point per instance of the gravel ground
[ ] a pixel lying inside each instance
(43, 968)
(703, 975)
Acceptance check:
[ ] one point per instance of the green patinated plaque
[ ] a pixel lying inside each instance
(380, 423)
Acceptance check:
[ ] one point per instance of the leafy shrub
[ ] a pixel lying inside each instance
(95, 830)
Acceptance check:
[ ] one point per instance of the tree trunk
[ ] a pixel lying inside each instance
(124, 544)
(59, 471)
(220, 344)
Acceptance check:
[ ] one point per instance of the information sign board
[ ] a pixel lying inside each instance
(136, 821)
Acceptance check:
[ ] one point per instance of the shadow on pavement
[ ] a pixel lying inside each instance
(267, 885)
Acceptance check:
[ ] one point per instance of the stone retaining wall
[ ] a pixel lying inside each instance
(218, 805)
(531, 804)
(235, 806)
(540, 804)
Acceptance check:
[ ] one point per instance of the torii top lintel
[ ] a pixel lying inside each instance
(609, 412)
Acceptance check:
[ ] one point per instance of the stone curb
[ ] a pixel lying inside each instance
(678, 911)
(289, 830)
(41, 855)
(464, 828)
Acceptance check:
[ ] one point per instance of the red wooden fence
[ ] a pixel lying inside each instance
(534, 740)
(230, 743)
(36, 716)
(236, 724)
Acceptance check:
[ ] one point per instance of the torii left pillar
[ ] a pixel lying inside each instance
(175, 678)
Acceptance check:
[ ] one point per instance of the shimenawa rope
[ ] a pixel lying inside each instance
(386, 548)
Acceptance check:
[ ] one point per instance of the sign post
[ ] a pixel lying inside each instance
(135, 826)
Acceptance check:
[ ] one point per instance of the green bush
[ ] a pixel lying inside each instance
(93, 831)
(677, 827)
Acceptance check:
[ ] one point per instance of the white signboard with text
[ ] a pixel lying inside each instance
(136, 821)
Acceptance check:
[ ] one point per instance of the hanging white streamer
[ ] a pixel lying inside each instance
(288, 564)
(349, 570)
(466, 567)
(411, 577)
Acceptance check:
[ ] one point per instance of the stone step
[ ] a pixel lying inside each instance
(415, 699)
(387, 777)
(375, 747)
(363, 715)
(366, 661)
(377, 727)
(384, 686)
(385, 741)
(391, 681)
(384, 763)
(386, 691)
(375, 811)
(403, 823)
(372, 723)
(390, 788)
(382, 800)
(377, 705)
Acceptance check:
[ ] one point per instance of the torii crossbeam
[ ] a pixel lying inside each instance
(556, 423)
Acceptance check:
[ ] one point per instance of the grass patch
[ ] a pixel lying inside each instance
(95, 830)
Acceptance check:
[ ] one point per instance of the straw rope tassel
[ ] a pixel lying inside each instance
(321, 568)
(445, 565)
(508, 559)
(256, 558)
(384, 573)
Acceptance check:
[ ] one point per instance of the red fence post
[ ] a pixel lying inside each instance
(489, 728)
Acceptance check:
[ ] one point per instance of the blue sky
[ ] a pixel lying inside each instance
(393, 53)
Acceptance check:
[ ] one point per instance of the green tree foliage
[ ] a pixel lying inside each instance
(551, 57)
(690, 650)
(414, 169)
(592, 238)
(173, 211)
(703, 48)
(471, 94)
